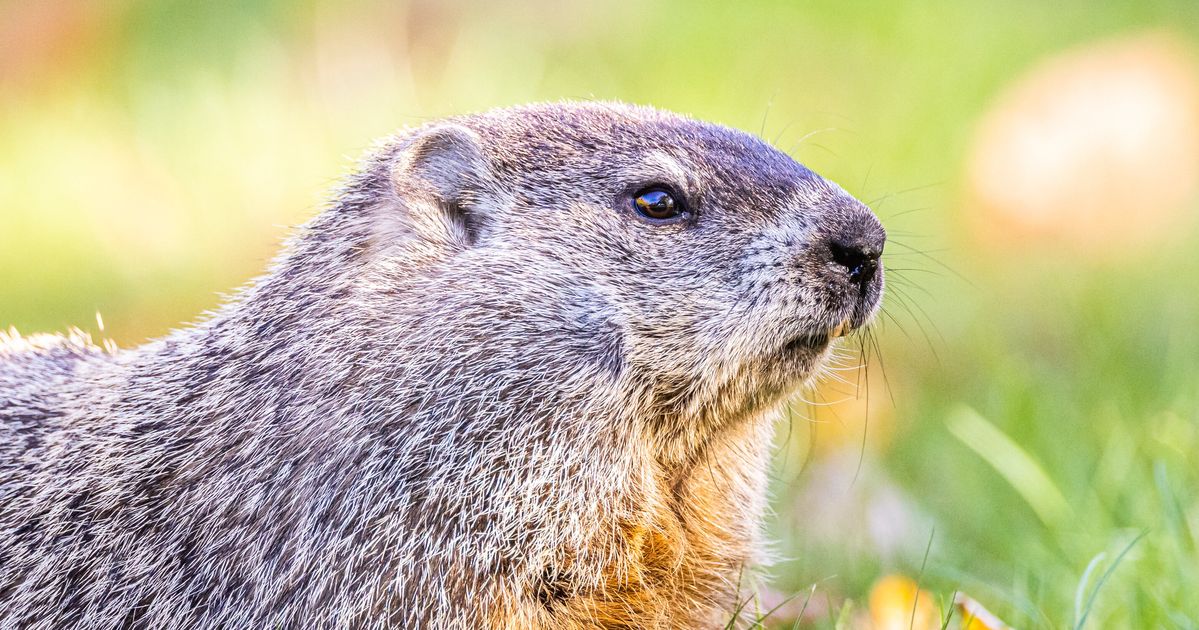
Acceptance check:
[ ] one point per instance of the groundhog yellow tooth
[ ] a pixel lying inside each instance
(840, 329)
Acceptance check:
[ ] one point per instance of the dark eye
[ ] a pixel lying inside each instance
(657, 204)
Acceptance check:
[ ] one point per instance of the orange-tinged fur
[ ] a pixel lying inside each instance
(681, 563)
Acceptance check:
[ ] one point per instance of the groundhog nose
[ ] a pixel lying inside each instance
(859, 257)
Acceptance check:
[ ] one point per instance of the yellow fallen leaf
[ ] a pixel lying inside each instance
(898, 603)
(974, 616)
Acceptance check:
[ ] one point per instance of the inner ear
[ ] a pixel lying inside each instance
(466, 224)
(444, 184)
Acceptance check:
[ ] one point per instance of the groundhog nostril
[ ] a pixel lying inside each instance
(859, 259)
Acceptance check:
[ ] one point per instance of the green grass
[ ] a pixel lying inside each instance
(1043, 412)
(1054, 431)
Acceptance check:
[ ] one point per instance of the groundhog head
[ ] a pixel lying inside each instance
(698, 265)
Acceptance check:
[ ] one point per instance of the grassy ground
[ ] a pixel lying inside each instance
(1034, 413)
(1055, 430)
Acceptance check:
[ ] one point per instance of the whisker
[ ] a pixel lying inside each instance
(900, 283)
(766, 114)
(908, 305)
(935, 261)
(918, 270)
(885, 313)
(810, 134)
(865, 431)
(866, 177)
(902, 213)
(883, 368)
(919, 253)
(778, 137)
(905, 191)
(850, 368)
(786, 444)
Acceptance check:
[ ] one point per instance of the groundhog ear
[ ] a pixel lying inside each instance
(442, 177)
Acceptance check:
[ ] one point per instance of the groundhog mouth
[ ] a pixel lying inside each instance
(820, 339)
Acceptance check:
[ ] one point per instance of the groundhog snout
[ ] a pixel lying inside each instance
(851, 248)
(858, 253)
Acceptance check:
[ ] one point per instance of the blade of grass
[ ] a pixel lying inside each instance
(1013, 463)
(1081, 591)
(949, 614)
(923, 563)
(1103, 580)
(803, 609)
(1175, 515)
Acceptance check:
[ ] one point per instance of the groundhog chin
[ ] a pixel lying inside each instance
(800, 358)
(790, 367)
(818, 340)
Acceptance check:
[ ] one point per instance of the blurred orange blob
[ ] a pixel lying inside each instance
(898, 603)
(850, 405)
(1095, 150)
(47, 38)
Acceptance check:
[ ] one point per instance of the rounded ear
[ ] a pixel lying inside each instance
(444, 184)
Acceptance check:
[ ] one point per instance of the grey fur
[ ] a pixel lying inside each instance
(450, 400)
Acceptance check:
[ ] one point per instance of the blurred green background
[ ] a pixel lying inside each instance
(1031, 405)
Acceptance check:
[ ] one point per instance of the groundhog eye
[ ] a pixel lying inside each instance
(657, 204)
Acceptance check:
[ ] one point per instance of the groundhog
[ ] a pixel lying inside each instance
(521, 373)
